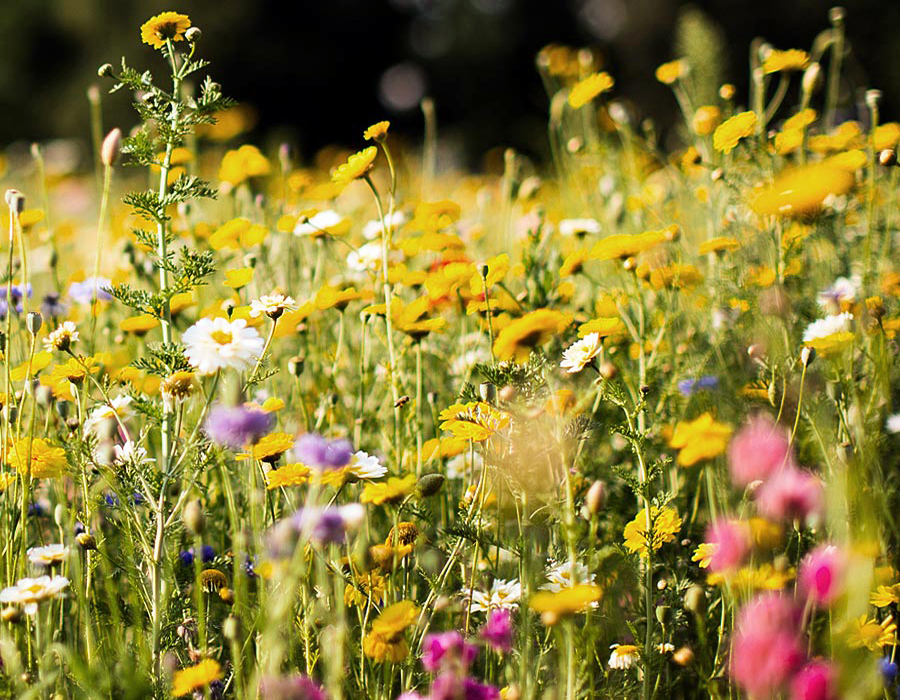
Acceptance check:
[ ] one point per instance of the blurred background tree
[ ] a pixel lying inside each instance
(319, 72)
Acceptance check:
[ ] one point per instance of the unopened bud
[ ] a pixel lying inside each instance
(86, 540)
(15, 200)
(683, 656)
(596, 497)
(193, 517)
(59, 515)
(807, 355)
(295, 365)
(888, 157)
(33, 322)
(811, 76)
(12, 615)
(488, 392)
(193, 35)
(608, 370)
(112, 144)
(695, 600)
(430, 484)
(872, 98)
(836, 15)
(105, 71)
(231, 628)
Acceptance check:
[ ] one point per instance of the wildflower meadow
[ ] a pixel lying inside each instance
(618, 425)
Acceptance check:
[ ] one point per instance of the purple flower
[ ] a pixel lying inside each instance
(411, 695)
(497, 631)
(52, 307)
(691, 386)
(237, 426)
(16, 295)
(320, 524)
(290, 688)
(313, 450)
(83, 292)
(447, 649)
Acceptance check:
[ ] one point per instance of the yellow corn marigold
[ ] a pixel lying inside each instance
(521, 336)
(590, 87)
(664, 525)
(195, 677)
(699, 439)
(165, 26)
(729, 132)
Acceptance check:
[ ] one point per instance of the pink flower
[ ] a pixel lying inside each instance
(729, 538)
(821, 574)
(759, 449)
(791, 494)
(767, 648)
(497, 631)
(447, 650)
(815, 681)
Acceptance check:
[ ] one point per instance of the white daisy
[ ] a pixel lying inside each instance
(130, 454)
(372, 229)
(63, 337)
(503, 594)
(623, 656)
(579, 353)
(48, 555)
(317, 223)
(827, 326)
(272, 305)
(216, 343)
(367, 466)
(28, 592)
(560, 576)
(120, 406)
(368, 257)
(892, 425)
(574, 227)
(843, 291)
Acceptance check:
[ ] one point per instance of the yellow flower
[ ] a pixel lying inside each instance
(624, 245)
(704, 553)
(376, 132)
(437, 448)
(356, 166)
(370, 584)
(706, 119)
(329, 297)
(236, 279)
(664, 525)
(391, 491)
(178, 386)
(566, 601)
(520, 337)
(871, 634)
(40, 360)
(385, 641)
(749, 578)
(831, 344)
(168, 25)
(587, 89)
(195, 677)
(669, 72)
(139, 325)
(720, 244)
(6, 480)
(732, 130)
(790, 60)
(289, 475)
(241, 164)
(75, 371)
(237, 233)
(847, 135)
(497, 267)
(605, 327)
(885, 595)
(475, 420)
(270, 448)
(574, 262)
(47, 461)
(702, 438)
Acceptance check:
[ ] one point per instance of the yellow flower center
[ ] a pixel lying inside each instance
(222, 337)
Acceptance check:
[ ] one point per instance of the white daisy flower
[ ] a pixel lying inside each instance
(503, 594)
(272, 305)
(216, 343)
(827, 326)
(368, 257)
(64, 337)
(48, 555)
(121, 407)
(574, 227)
(560, 576)
(28, 592)
(623, 656)
(579, 353)
(367, 466)
(372, 229)
(130, 454)
(892, 425)
(843, 291)
(317, 223)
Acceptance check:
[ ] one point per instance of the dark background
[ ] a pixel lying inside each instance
(316, 71)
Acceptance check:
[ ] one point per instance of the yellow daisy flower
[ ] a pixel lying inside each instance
(729, 132)
(702, 438)
(195, 677)
(167, 25)
(392, 491)
(590, 87)
(356, 166)
(664, 525)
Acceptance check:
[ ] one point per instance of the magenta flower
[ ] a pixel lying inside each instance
(447, 650)
(313, 450)
(759, 449)
(449, 686)
(731, 545)
(821, 576)
(791, 494)
(815, 681)
(497, 631)
(290, 688)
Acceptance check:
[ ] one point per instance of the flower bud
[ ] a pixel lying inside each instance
(488, 392)
(683, 656)
(33, 322)
(59, 515)
(231, 628)
(105, 71)
(193, 517)
(15, 200)
(430, 484)
(86, 540)
(836, 15)
(12, 615)
(193, 35)
(112, 144)
(888, 157)
(872, 98)
(807, 355)
(695, 600)
(295, 365)
(811, 76)
(596, 497)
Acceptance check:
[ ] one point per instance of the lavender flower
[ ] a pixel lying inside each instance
(237, 426)
(320, 524)
(314, 450)
(83, 292)
(17, 292)
(53, 307)
(691, 386)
